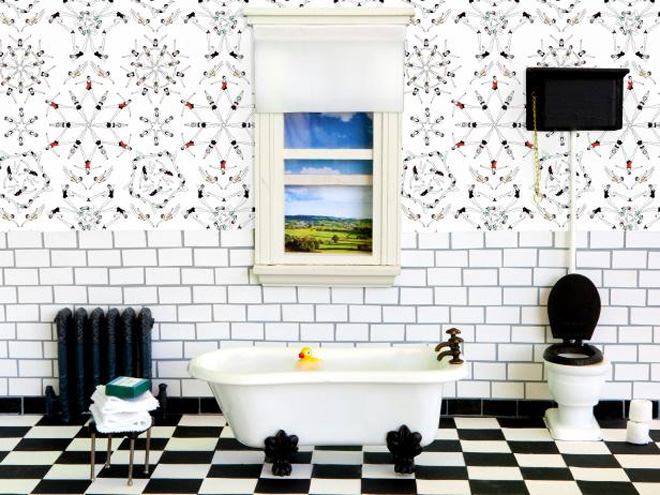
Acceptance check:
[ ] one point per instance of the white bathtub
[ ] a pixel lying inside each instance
(357, 396)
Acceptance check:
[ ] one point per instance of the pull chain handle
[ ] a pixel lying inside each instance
(538, 196)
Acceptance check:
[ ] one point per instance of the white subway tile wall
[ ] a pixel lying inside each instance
(492, 286)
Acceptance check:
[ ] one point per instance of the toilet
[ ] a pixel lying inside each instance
(576, 371)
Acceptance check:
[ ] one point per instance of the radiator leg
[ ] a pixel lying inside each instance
(130, 461)
(404, 446)
(109, 453)
(146, 452)
(280, 450)
(92, 475)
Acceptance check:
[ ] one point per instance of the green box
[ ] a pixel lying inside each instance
(126, 387)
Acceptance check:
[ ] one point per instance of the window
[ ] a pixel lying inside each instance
(326, 181)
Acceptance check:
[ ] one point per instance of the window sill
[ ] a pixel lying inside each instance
(324, 276)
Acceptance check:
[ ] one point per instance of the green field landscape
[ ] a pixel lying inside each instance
(320, 234)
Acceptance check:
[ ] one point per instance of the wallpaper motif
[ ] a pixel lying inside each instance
(138, 114)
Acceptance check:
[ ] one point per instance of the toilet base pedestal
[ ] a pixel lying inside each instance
(559, 431)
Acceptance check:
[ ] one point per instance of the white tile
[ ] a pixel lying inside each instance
(527, 434)
(477, 423)
(237, 456)
(330, 486)
(635, 461)
(443, 487)
(440, 459)
(32, 458)
(15, 486)
(70, 472)
(23, 239)
(190, 444)
(598, 474)
(383, 471)
(552, 487)
(130, 238)
(584, 448)
(181, 471)
(467, 239)
(116, 486)
(238, 486)
(540, 460)
(453, 258)
(164, 238)
(338, 457)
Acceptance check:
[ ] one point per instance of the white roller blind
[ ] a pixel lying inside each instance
(330, 68)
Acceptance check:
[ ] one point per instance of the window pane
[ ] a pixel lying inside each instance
(328, 130)
(328, 219)
(328, 167)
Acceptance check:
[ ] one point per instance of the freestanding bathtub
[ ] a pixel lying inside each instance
(356, 397)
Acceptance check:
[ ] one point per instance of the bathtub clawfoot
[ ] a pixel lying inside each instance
(280, 450)
(404, 446)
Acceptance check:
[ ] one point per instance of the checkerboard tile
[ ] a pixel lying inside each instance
(199, 455)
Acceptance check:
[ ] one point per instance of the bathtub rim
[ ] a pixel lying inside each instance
(447, 373)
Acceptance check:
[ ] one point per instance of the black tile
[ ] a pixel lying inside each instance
(34, 405)
(57, 421)
(81, 457)
(655, 435)
(197, 431)
(62, 486)
(141, 443)
(644, 475)
(282, 485)
(464, 407)
(337, 471)
(389, 486)
(342, 448)
(609, 409)
(377, 458)
(447, 423)
(533, 447)
(234, 470)
(444, 446)
(13, 431)
(481, 435)
(553, 474)
(533, 408)
(231, 444)
(121, 471)
(591, 461)
(613, 423)
(10, 405)
(487, 459)
(441, 472)
(498, 487)
(302, 457)
(8, 472)
(209, 406)
(183, 405)
(186, 457)
(31, 444)
(168, 485)
(521, 422)
(600, 487)
(169, 419)
(500, 408)
(3, 454)
(628, 448)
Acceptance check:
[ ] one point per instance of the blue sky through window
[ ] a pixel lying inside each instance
(328, 130)
(328, 167)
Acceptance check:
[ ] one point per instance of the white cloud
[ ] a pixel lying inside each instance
(319, 171)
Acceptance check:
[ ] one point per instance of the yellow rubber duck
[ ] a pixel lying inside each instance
(307, 361)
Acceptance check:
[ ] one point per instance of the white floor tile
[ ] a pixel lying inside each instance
(446, 434)
(238, 457)
(116, 486)
(322, 486)
(647, 488)
(337, 457)
(190, 444)
(181, 471)
(53, 432)
(238, 486)
(31, 458)
(17, 420)
(527, 434)
(594, 448)
(71, 472)
(477, 423)
(440, 459)
(7, 444)
(443, 487)
(540, 460)
(614, 434)
(638, 461)
(298, 471)
(599, 474)
(18, 487)
(383, 471)
(490, 446)
(494, 473)
(202, 420)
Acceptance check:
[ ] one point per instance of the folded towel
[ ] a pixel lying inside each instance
(113, 424)
(108, 404)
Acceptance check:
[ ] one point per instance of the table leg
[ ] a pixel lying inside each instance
(93, 459)
(109, 453)
(146, 452)
(130, 462)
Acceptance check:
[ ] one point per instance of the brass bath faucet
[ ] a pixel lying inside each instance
(454, 344)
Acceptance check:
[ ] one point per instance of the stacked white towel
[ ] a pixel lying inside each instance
(113, 415)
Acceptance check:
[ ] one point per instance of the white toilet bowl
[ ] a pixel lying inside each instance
(576, 389)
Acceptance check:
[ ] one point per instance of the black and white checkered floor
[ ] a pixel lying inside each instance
(198, 454)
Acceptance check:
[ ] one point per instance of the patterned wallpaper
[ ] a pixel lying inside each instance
(130, 114)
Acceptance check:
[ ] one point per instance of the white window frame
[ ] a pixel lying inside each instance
(275, 267)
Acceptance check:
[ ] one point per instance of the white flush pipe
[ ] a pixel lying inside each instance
(572, 241)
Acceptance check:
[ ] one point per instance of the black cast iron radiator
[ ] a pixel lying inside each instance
(93, 349)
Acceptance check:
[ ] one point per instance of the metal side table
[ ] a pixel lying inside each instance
(132, 435)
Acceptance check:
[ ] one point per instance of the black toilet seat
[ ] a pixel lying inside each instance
(593, 354)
